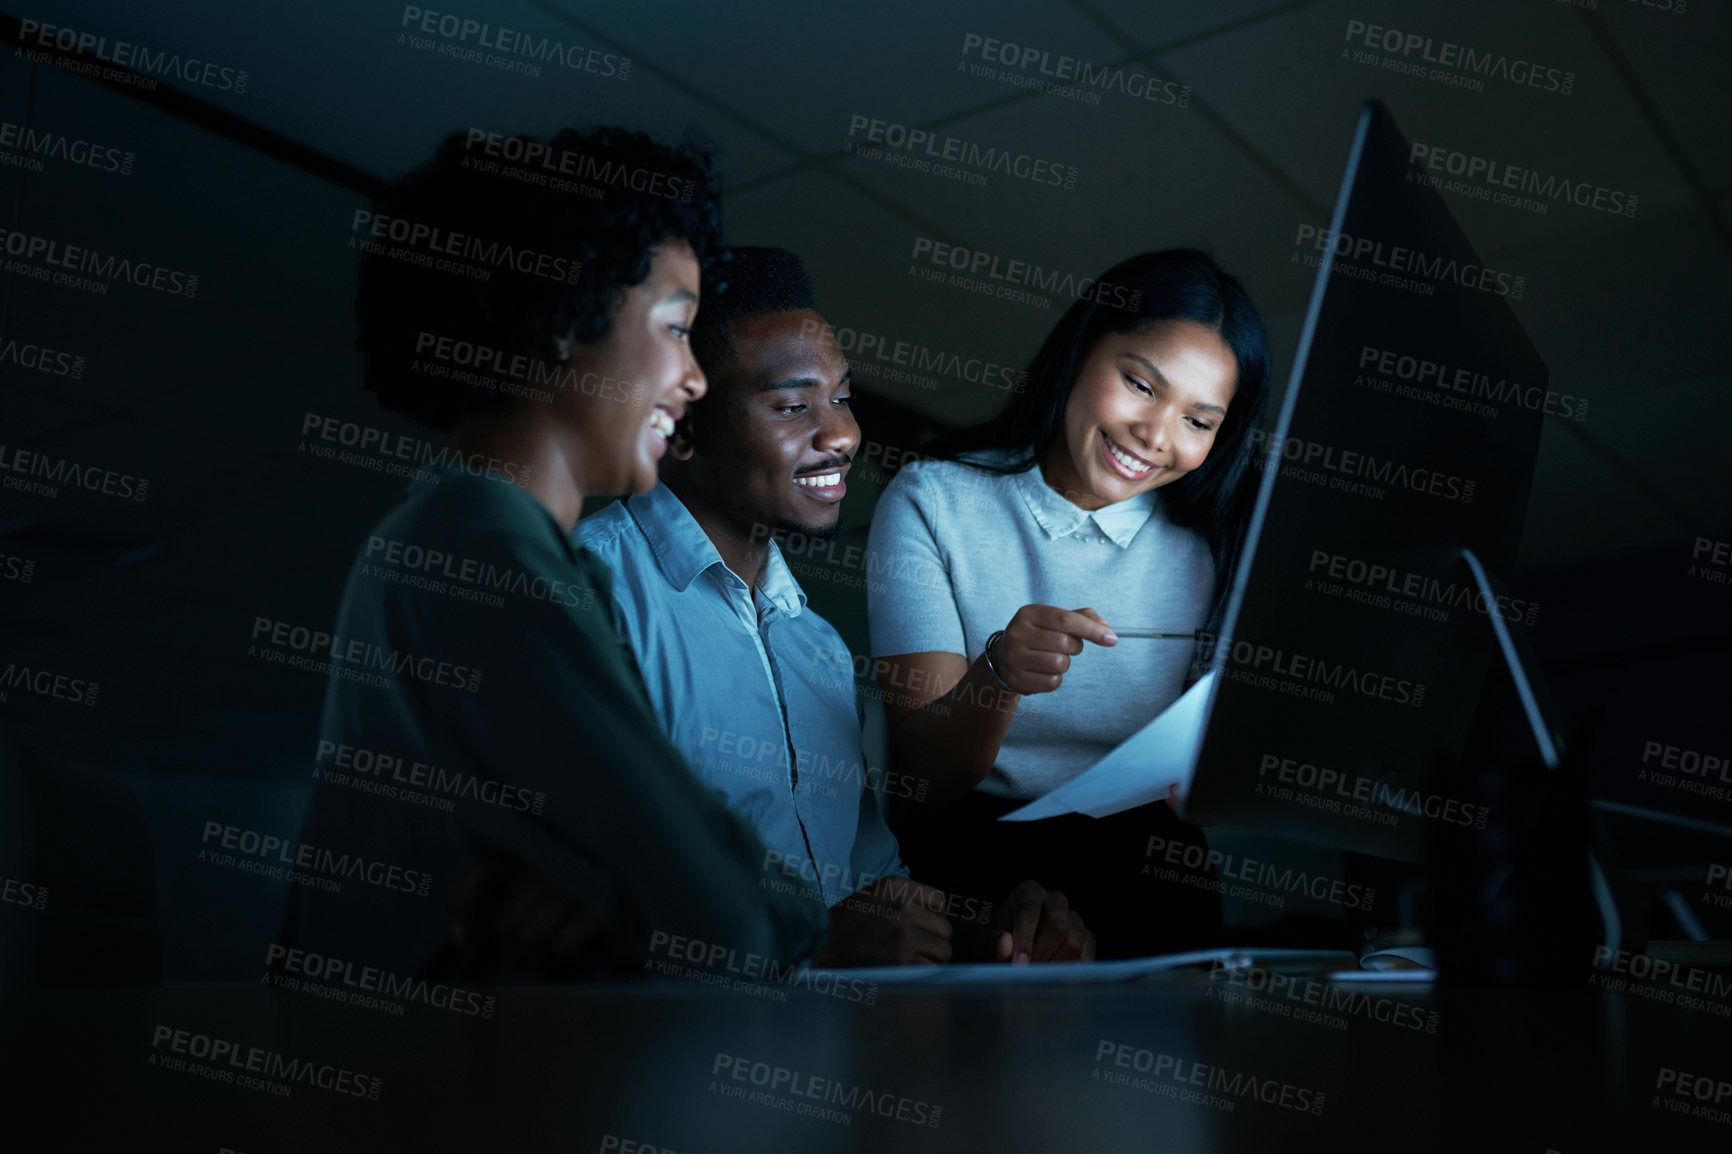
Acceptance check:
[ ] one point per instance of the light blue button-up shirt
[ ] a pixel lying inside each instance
(976, 546)
(739, 676)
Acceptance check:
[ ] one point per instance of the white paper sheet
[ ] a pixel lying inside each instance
(1142, 769)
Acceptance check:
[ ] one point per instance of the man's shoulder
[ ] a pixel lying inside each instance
(607, 530)
(636, 584)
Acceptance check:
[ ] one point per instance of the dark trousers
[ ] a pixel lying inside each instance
(1140, 879)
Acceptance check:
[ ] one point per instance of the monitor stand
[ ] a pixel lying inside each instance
(1527, 899)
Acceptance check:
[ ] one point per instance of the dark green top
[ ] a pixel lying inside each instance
(481, 696)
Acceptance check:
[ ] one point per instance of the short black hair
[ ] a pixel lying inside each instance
(749, 281)
(515, 244)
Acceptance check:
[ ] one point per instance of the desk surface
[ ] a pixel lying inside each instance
(1181, 1062)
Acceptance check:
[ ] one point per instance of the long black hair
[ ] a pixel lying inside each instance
(1213, 499)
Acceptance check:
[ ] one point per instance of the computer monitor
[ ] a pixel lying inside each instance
(1355, 641)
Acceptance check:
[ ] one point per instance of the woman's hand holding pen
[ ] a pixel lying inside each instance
(1032, 654)
(948, 726)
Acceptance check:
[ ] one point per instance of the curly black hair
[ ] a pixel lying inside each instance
(516, 246)
(749, 281)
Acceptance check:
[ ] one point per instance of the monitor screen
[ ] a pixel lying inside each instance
(1355, 640)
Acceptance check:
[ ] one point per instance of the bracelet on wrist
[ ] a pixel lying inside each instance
(990, 667)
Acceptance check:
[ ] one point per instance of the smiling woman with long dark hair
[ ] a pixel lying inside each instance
(1112, 490)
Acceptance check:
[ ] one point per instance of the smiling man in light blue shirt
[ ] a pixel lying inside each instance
(739, 675)
(747, 681)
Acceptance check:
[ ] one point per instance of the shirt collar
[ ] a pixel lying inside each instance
(1123, 521)
(684, 550)
(1120, 522)
(778, 585)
